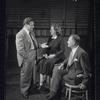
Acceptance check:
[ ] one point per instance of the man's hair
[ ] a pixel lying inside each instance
(27, 20)
(76, 38)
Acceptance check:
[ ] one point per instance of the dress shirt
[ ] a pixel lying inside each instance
(74, 50)
(72, 53)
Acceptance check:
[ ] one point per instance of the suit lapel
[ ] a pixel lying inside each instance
(27, 39)
(27, 36)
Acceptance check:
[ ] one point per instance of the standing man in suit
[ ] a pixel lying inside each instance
(77, 71)
(26, 45)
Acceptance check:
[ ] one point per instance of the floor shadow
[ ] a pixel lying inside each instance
(34, 91)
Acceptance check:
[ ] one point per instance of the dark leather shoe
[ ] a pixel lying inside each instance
(43, 89)
(25, 96)
(47, 95)
(40, 88)
(51, 95)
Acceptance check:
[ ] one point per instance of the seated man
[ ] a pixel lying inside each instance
(77, 65)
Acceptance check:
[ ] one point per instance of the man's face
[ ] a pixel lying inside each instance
(71, 42)
(31, 26)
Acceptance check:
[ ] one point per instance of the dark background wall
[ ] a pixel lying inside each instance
(74, 17)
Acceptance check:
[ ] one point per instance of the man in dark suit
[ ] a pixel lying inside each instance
(26, 45)
(77, 68)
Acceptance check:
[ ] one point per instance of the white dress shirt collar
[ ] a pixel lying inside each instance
(74, 49)
(27, 31)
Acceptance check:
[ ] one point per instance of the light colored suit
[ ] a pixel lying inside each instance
(23, 46)
(26, 59)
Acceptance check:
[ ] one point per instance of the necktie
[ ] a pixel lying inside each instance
(70, 58)
(34, 43)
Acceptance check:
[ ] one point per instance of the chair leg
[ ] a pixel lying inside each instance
(34, 74)
(83, 96)
(69, 95)
(49, 80)
(66, 92)
(86, 94)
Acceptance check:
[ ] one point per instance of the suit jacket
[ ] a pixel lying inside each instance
(79, 65)
(23, 46)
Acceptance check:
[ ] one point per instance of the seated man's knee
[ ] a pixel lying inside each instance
(55, 69)
(55, 72)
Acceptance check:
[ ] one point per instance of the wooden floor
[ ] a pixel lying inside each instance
(12, 90)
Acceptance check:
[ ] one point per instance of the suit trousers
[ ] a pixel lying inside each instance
(27, 72)
(56, 78)
(60, 76)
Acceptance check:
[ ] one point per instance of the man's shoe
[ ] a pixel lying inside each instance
(43, 89)
(47, 95)
(40, 88)
(25, 96)
(51, 95)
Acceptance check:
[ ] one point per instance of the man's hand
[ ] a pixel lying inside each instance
(61, 66)
(45, 55)
(82, 86)
(80, 75)
(51, 56)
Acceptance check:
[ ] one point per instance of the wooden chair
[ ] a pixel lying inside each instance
(76, 90)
